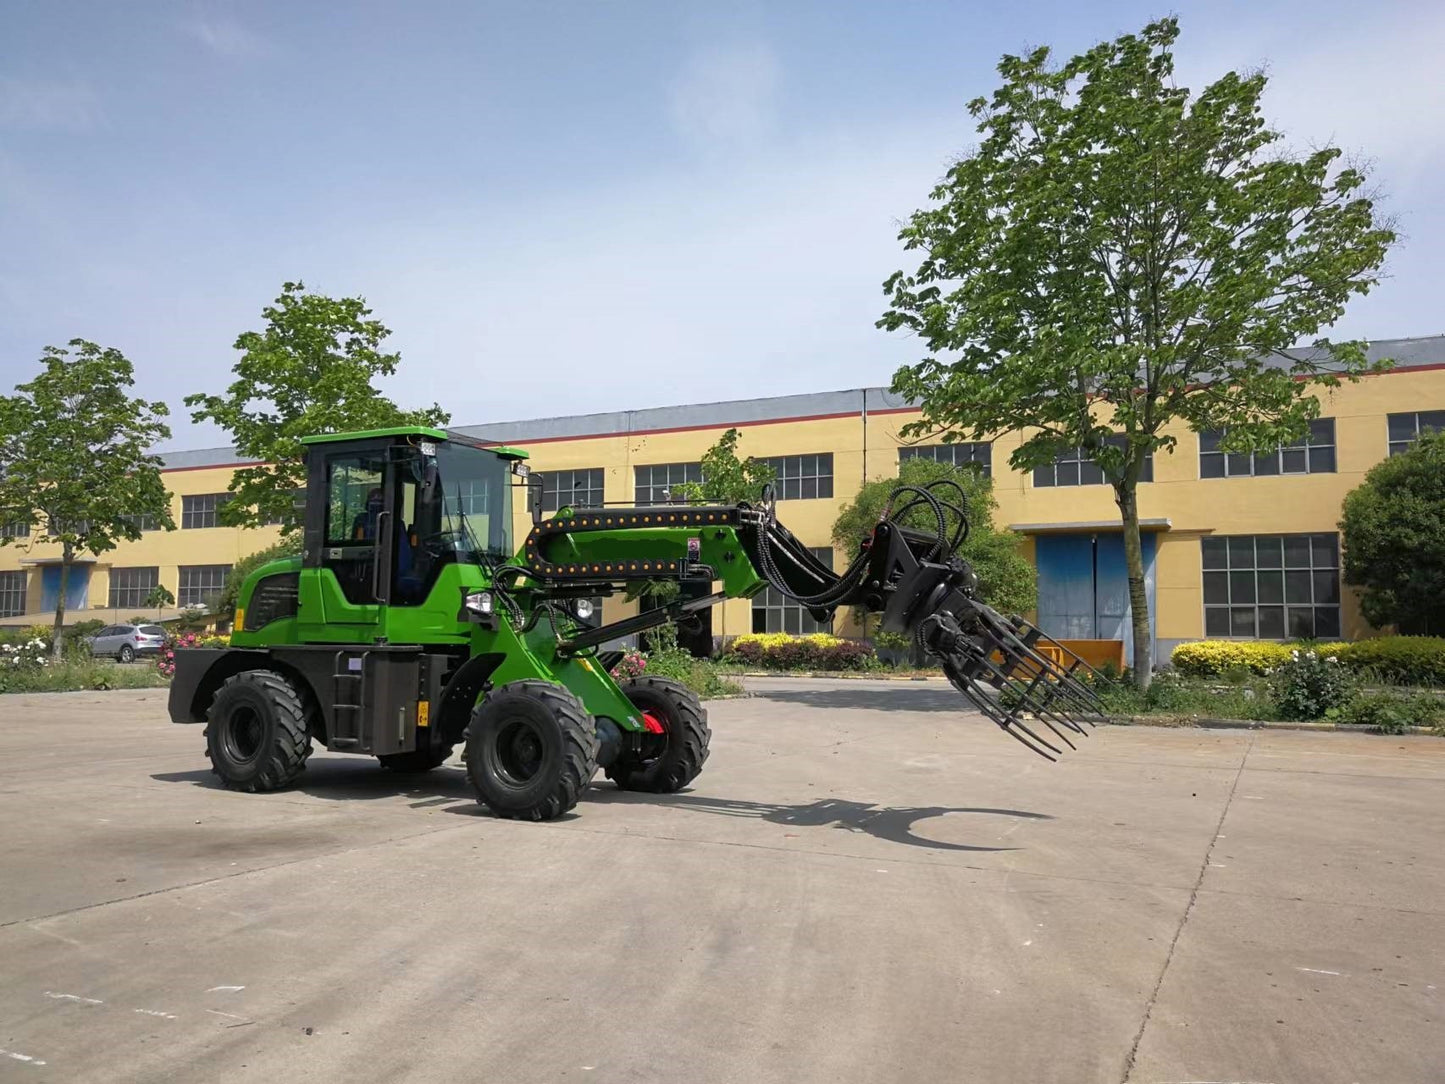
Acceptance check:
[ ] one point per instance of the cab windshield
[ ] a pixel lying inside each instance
(460, 503)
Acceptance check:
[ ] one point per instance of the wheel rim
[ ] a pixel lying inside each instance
(242, 736)
(518, 752)
(126, 654)
(653, 747)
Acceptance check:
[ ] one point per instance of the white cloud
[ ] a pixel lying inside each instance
(222, 34)
(725, 97)
(28, 104)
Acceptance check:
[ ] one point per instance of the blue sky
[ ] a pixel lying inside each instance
(567, 207)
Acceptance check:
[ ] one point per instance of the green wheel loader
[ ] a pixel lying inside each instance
(413, 623)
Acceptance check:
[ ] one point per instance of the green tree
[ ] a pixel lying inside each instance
(74, 456)
(1393, 529)
(160, 597)
(1118, 255)
(1006, 578)
(309, 371)
(726, 477)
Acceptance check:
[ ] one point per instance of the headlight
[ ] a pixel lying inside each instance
(480, 603)
(583, 608)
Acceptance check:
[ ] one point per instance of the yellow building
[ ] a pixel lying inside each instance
(1243, 546)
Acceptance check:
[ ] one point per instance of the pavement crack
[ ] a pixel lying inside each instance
(1184, 918)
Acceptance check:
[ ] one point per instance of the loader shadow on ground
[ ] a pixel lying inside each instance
(448, 790)
(355, 779)
(890, 824)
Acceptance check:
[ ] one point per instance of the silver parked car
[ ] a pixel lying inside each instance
(125, 642)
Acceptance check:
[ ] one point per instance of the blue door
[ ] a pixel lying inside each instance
(1084, 587)
(77, 587)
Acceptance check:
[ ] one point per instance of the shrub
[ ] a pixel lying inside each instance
(1310, 684)
(1209, 658)
(1390, 711)
(166, 660)
(699, 675)
(820, 651)
(1405, 660)
(631, 665)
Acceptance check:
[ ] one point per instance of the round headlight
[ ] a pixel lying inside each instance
(583, 608)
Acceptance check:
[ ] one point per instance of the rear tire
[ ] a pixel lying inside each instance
(531, 750)
(416, 760)
(126, 653)
(256, 733)
(669, 761)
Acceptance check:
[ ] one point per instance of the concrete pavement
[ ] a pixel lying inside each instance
(866, 884)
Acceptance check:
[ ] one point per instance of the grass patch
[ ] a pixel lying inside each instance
(75, 675)
(1174, 696)
(702, 676)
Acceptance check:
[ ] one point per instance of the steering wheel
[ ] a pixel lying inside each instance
(441, 544)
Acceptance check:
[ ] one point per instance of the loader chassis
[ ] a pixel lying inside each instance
(412, 623)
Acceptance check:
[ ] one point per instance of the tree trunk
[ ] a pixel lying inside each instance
(1126, 496)
(57, 634)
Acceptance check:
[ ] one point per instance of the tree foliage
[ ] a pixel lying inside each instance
(310, 370)
(727, 478)
(1006, 578)
(75, 458)
(1393, 529)
(1119, 254)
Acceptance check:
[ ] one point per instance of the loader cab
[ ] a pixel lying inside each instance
(388, 510)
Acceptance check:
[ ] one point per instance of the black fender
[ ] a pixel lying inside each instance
(201, 671)
(462, 693)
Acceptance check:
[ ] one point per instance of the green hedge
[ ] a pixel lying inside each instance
(1404, 660)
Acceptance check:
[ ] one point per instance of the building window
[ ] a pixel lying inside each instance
(142, 522)
(1313, 454)
(14, 530)
(775, 612)
(1272, 586)
(653, 484)
(200, 582)
(1404, 428)
(77, 527)
(1075, 468)
(12, 593)
(976, 454)
(130, 586)
(802, 477)
(201, 510)
(571, 489)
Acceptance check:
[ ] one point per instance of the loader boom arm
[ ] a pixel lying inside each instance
(1006, 667)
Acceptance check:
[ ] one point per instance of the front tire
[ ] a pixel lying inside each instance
(256, 733)
(671, 760)
(531, 750)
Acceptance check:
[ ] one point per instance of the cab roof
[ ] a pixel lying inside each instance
(424, 431)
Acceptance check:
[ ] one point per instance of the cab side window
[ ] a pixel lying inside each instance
(354, 504)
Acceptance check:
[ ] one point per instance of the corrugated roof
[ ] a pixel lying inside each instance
(1407, 353)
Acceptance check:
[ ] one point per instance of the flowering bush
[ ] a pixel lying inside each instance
(166, 660)
(27, 655)
(631, 665)
(1310, 684)
(820, 651)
